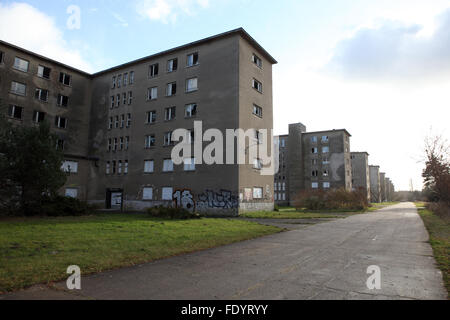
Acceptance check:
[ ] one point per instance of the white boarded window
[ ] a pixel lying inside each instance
(18, 88)
(149, 166)
(315, 185)
(191, 84)
(325, 149)
(147, 194)
(257, 193)
(21, 64)
(326, 185)
(71, 193)
(167, 194)
(168, 165)
(70, 166)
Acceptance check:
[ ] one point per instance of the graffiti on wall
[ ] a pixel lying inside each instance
(223, 199)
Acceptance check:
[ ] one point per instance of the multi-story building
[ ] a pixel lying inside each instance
(116, 125)
(361, 172)
(313, 160)
(383, 195)
(281, 185)
(375, 186)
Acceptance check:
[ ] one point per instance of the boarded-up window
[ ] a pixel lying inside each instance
(167, 194)
(147, 194)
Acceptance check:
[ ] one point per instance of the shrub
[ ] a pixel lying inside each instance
(276, 208)
(440, 209)
(334, 199)
(172, 213)
(64, 206)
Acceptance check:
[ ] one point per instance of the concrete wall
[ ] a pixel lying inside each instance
(361, 173)
(383, 193)
(375, 188)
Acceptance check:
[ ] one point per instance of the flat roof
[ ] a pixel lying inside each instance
(239, 31)
(325, 131)
(360, 152)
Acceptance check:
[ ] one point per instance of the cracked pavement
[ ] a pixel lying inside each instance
(322, 261)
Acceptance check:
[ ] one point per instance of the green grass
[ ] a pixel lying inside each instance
(439, 231)
(378, 206)
(35, 251)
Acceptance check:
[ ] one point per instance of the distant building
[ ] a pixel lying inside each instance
(312, 161)
(375, 187)
(361, 172)
(383, 194)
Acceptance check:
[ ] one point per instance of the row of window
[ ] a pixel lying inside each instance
(325, 185)
(190, 110)
(43, 71)
(325, 161)
(324, 150)
(40, 94)
(124, 97)
(325, 173)
(16, 112)
(325, 139)
(128, 79)
(280, 196)
(280, 186)
(120, 121)
(118, 144)
(115, 167)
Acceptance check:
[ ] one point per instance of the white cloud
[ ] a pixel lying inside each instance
(167, 11)
(395, 51)
(122, 21)
(27, 27)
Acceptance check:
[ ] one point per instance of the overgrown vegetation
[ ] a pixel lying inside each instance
(333, 199)
(30, 168)
(34, 250)
(439, 229)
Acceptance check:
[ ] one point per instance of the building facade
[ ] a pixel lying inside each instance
(117, 125)
(375, 186)
(361, 172)
(312, 161)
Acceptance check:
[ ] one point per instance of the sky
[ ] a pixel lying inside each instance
(378, 68)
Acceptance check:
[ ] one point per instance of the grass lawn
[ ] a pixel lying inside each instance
(292, 213)
(34, 251)
(439, 231)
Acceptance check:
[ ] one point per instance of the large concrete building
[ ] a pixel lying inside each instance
(361, 172)
(116, 125)
(375, 186)
(312, 160)
(383, 195)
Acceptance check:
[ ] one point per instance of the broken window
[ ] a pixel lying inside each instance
(109, 145)
(18, 88)
(130, 97)
(168, 139)
(41, 94)
(116, 123)
(108, 167)
(125, 169)
(325, 149)
(121, 143)
(119, 81)
(191, 84)
(21, 64)
(131, 77)
(170, 113)
(127, 142)
(171, 89)
(153, 70)
(119, 171)
(315, 173)
(256, 60)
(325, 139)
(257, 110)
(150, 141)
(115, 144)
(15, 112)
(191, 110)
(326, 185)
(313, 139)
(151, 117)
(63, 101)
(112, 102)
(124, 98)
(118, 100)
(122, 121)
(61, 122)
(110, 124)
(257, 85)
(2, 56)
(314, 150)
(38, 116)
(128, 120)
(326, 173)
(172, 65)
(114, 167)
(44, 72)
(152, 93)
(60, 144)
(192, 59)
(125, 79)
(65, 79)
(113, 82)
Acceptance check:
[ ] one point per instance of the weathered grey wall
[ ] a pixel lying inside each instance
(375, 188)
(361, 173)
